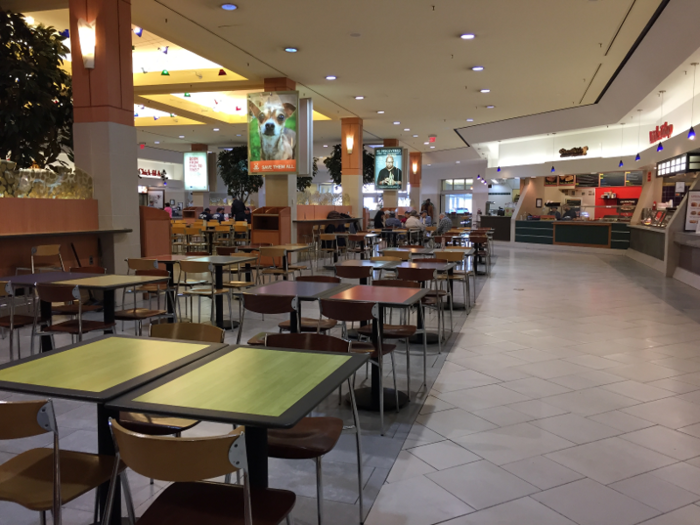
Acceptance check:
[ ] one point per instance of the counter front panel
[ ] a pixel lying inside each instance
(588, 234)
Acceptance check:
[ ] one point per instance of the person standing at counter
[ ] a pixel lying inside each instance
(569, 213)
(379, 220)
(444, 225)
(238, 210)
(555, 212)
(169, 210)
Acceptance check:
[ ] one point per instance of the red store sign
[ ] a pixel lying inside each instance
(155, 174)
(660, 133)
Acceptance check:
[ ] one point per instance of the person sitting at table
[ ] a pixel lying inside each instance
(392, 221)
(206, 215)
(379, 220)
(444, 225)
(425, 218)
(219, 215)
(405, 217)
(414, 222)
(248, 215)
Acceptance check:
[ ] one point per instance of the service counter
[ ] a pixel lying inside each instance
(648, 240)
(591, 234)
(689, 251)
(499, 224)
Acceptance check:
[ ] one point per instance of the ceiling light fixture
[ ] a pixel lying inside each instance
(396, 123)
(138, 31)
(360, 97)
(380, 112)
(485, 91)
(157, 142)
(622, 143)
(164, 73)
(639, 129)
(470, 120)
(406, 129)
(467, 36)
(331, 77)
(498, 169)
(552, 170)
(216, 129)
(426, 143)
(458, 162)
(291, 49)
(691, 132)
(415, 136)
(187, 95)
(432, 147)
(478, 68)
(229, 7)
(182, 136)
(490, 107)
(325, 145)
(660, 147)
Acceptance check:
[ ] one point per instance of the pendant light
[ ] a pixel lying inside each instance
(660, 147)
(622, 143)
(553, 170)
(639, 130)
(691, 133)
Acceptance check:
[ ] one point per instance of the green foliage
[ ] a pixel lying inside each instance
(334, 163)
(232, 166)
(305, 182)
(36, 106)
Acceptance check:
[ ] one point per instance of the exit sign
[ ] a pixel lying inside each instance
(432, 138)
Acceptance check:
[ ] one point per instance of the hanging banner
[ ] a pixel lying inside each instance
(272, 132)
(387, 168)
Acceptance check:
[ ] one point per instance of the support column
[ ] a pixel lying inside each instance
(391, 197)
(103, 129)
(351, 178)
(281, 190)
(201, 198)
(415, 167)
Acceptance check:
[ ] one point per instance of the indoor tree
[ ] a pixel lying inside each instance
(334, 163)
(36, 107)
(232, 166)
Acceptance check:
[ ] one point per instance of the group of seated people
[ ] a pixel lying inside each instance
(411, 220)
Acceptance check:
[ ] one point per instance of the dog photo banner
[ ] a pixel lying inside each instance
(387, 168)
(272, 132)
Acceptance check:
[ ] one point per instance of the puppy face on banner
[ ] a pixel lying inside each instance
(272, 132)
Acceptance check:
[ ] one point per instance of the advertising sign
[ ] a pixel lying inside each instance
(387, 168)
(567, 181)
(551, 181)
(272, 132)
(196, 177)
(692, 212)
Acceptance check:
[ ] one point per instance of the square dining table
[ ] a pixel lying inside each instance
(411, 251)
(219, 262)
(384, 296)
(257, 387)
(99, 370)
(303, 290)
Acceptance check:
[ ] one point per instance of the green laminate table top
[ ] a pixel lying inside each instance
(262, 387)
(100, 369)
(111, 282)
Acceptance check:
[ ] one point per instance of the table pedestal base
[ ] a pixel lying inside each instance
(365, 401)
(458, 306)
(431, 338)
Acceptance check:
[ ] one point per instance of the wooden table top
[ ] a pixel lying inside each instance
(171, 257)
(418, 251)
(292, 247)
(302, 289)
(255, 386)
(225, 260)
(110, 282)
(30, 279)
(252, 247)
(463, 249)
(385, 295)
(439, 266)
(100, 369)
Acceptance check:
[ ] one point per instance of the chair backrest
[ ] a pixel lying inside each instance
(142, 264)
(226, 250)
(403, 256)
(57, 293)
(385, 258)
(22, 419)
(308, 341)
(267, 251)
(222, 229)
(194, 230)
(348, 311)
(356, 238)
(179, 229)
(450, 256)
(155, 273)
(88, 269)
(240, 227)
(396, 283)
(318, 279)
(46, 250)
(353, 272)
(328, 237)
(188, 332)
(429, 260)
(180, 459)
(194, 266)
(269, 304)
(419, 275)
(478, 238)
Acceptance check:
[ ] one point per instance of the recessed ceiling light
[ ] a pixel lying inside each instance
(238, 135)
(380, 112)
(216, 129)
(485, 90)
(432, 147)
(470, 120)
(467, 36)
(396, 123)
(331, 77)
(156, 142)
(459, 162)
(415, 136)
(229, 7)
(291, 49)
(182, 136)
(429, 164)
(325, 145)
(478, 68)
(490, 107)
(406, 129)
(359, 97)
(426, 143)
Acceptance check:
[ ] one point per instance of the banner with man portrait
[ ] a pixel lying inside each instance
(388, 164)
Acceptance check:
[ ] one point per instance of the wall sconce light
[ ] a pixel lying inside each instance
(87, 39)
(415, 168)
(349, 144)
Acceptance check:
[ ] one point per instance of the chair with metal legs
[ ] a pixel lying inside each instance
(314, 437)
(13, 322)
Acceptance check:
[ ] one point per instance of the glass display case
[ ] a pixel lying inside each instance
(621, 211)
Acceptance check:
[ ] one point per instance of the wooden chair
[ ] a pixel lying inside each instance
(196, 239)
(357, 244)
(329, 245)
(314, 437)
(55, 293)
(241, 233)
(275, 269)
(207, 289)
(139, 315)
(481, 250)
(354, 272)
(222, 236)
(264, 304)
(43, 479)
(13, 321)
(179, 238)
(188, 463)
(401, 255)
(386, 258)
(46, 257)
(460, 275)
(355, 311)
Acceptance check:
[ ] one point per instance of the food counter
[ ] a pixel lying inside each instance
(594, 234)
(500, 225)
(649, 240)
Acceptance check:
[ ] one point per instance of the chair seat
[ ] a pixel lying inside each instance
(216, 504)
(311, 438)
(72, 327)
(72, 309)
(391, 331)
(238, 284)
(154, 425)
(276, 271)
(258, 339)
(137, 314)
(309, 324)
(27, 479)
(18, 321)
(153, 288)
(297, 267)
(368, 348)
(436, 293)
(205, 292)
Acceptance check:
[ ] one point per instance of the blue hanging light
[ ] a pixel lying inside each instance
(638, 157)
(138, 31)
(498, 169)
(552, 170)
(691, 133)
(620, 165)
(660, 147)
